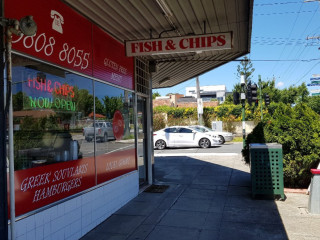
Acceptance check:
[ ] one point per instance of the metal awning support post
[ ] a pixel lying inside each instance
(27, 27)
(10, 133)
(3, 157)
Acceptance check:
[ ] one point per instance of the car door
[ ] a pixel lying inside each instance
(109, 130)
(185, 137)
(171, 134)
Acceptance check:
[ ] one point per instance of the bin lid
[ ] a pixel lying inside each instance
(315, 171)
(265, 145)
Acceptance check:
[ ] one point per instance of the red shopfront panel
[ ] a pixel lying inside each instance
(63, 36)
(40, 186)
(109, 60)
(112, 165)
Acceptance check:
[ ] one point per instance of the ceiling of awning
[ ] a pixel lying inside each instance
(145, 19)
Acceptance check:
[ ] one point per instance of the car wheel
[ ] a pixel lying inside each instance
(222, 139)
(160, 144)
(204, 143)
(88, 139)
(105, 138)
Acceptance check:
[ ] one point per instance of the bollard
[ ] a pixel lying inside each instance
(314, 198)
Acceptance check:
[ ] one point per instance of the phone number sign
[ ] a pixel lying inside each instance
(58, 39)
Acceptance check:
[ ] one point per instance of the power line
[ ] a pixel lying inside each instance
(301, 50)
(282, 13)
(274, 67)
(237, 60)
(307, 72)
(271, 4)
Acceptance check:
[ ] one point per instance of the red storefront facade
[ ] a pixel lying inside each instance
(67, 80)
(81, 128)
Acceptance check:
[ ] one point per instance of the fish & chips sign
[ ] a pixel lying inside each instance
(196, 43)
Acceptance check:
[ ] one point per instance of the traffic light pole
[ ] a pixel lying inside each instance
(243, 103)
(243, 124)
(260, 98)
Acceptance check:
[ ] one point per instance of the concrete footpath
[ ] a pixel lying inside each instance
(208, 197)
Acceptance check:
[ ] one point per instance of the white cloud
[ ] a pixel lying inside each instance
(279, 84)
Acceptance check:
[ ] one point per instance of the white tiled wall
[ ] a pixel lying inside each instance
(74, 218)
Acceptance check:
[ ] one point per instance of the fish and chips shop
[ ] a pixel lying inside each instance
(76, 113)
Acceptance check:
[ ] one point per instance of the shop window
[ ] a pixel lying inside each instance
(116, 131)
(70, 133)
(51, 107)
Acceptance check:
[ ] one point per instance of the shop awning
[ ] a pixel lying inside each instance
(146, 19)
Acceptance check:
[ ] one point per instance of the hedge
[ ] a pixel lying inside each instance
(297, 129)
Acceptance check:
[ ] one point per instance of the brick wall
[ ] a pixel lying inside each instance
(161, 102)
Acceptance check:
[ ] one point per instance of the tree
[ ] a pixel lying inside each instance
(294, 95)
(269, 87)
(99, 106)
(297, 129)
(155, 94)
(112, 104)
(83, 100)
(314, 103)
(245, 68)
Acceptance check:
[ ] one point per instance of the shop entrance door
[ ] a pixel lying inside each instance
(142, 139)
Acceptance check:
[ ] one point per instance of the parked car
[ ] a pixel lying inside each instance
(181, 136)
(103, 130)
(223, 136)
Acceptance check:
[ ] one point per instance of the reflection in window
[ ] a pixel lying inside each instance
(114, 109)
(51, 108)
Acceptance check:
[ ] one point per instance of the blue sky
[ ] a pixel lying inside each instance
(279, 47)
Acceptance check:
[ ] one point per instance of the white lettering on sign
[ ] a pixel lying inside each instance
(116, 77)
(117, 164)
(74, 57)
(195, 43)
(117, 68)
(48, 184)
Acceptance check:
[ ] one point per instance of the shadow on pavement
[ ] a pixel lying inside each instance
(208, 198)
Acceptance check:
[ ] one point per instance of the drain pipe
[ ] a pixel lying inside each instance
(10, 133)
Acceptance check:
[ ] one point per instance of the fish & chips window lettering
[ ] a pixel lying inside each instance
(74, 121)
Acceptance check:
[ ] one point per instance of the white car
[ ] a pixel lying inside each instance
(181, 136)
(223, 136)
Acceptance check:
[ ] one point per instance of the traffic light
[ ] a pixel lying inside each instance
(266, 99)
(236, 98)
(254, 92)
(249, 93)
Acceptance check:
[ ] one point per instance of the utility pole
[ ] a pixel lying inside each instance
(243, 102)
(199, 102)
(260, 98)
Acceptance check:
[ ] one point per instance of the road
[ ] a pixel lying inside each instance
(224, 149)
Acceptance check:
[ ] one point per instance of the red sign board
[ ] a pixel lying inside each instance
(115, 164)
(40, 186)
(58, 39)
(196, 43)
(64, 38)
(109, 62)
